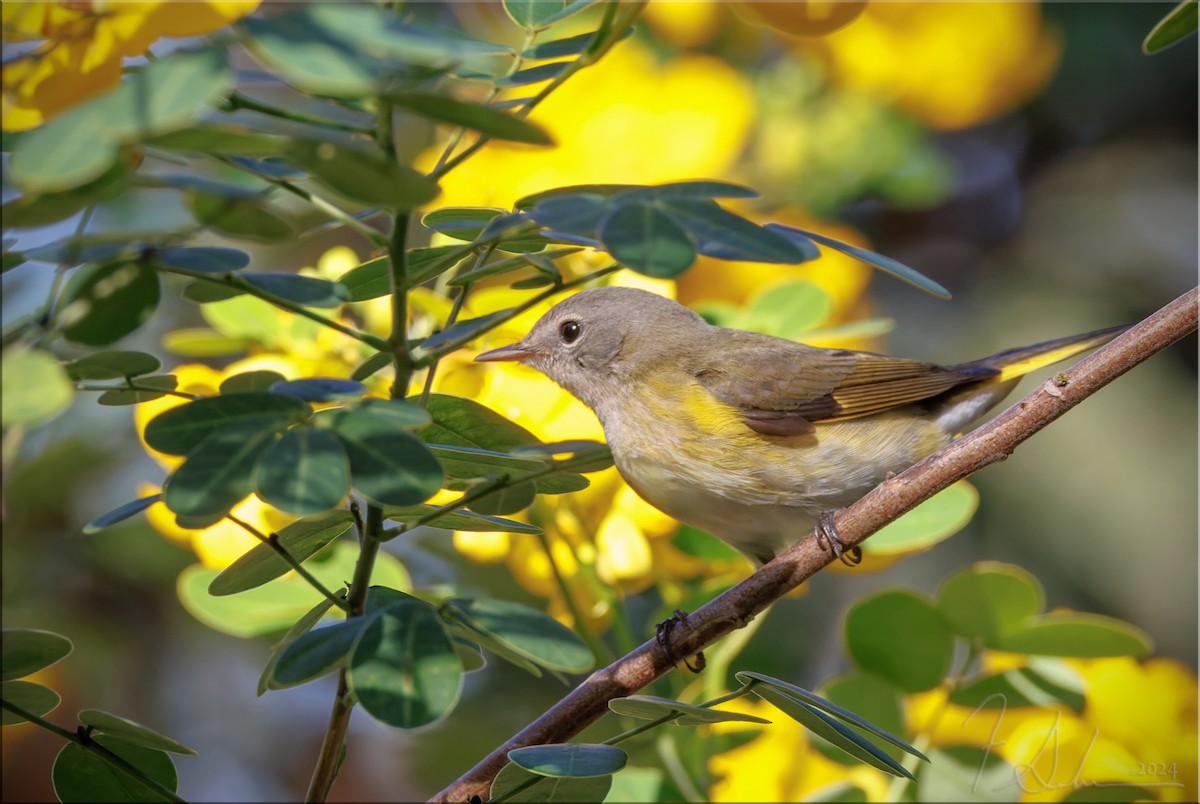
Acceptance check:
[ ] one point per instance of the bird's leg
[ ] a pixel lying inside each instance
(662, 635)
(827, 532)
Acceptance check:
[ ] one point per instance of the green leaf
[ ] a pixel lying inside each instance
(202, 342)
(462, 223)
(112, 365)
(247, 381)
(36, 387)
(874, 699)
(363, 175)
(829, 707)
(527, 632)
(308, 58)
(580, 214)
(42, 209)
(369, 367)
(209, 259)
(120, 514)
(475, 116)
(1179, 24)
(275, 607)
(652, 707)
(506, 500)
(149, 389)
(696, 190)
(371, 280)
(305, 472)
(900, 635)
(531, 75)
(404, 670)
(81, 144)
(536, 15)
(1045, 685)
(219, 473)
(302, 540)
(247, 317)
(1078, 635)
(931, 522)
(697, 543)
(221, 139)
(463, 331)
(571, 760)
(547, 788)
(831, 730)
(885, 264)
(967, 773)
(103, 303)
(181, 429)
(36, 699)
(721, 234)
(568, 46)
(460, 422)
(387, 463)
(130, 732)
(319, 389)
(316, 653)
(458, 520)
(238, 217)
(787, 310)
(81, 776)
(511, 264)
(24, 651)
(988, 600)
(84, 249)
(266, 680)
(644, 238)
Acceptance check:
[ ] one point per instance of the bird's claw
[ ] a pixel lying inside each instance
(662, 635)
(850, 555)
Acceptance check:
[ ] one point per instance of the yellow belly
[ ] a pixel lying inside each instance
(694, 458)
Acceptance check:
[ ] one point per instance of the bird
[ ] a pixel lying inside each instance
(752, 438)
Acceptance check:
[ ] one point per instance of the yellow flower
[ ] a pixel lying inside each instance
(950, 65)
(698, 108)
(82, 46)
(686, 24)
(781, 763)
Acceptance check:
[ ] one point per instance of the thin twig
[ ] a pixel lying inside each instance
(272, 541)
(991, 443)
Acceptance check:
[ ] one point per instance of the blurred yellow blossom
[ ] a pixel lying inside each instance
(629, 119)
(685, 23)
(81, 47)
(912, 54)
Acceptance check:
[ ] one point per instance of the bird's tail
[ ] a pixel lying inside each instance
(963, 405)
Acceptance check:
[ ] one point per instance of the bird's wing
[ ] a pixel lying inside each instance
(783, 388)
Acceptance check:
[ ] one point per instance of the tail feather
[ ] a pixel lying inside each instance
(959, 407)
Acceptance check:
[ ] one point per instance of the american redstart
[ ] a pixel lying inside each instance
(748, 436)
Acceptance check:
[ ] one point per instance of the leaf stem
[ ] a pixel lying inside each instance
(290, 560)
(234, 281)
(339, 718)
(106, 754)
(237, 100)
(397, 343)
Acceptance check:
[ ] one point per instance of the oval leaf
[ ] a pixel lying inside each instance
(519, 785)
(302, 540)
(36, 387)
(304, 472)
(527, 632)
(645, 239)
(80, 775)
(131, 732)
(478, 117)
(219, 473)
(319, 389)
(572, 760)
(364, 176)
(24, 651)
(316, 653)
(310, 291)
(113, 365)
(181, 429)
(120, 514)
(208, 259)
(36, 699)
(103, 303)
(387, 463)
(404, 670)
(902, 637)
(988, 600)
(1078, 635)
(651, 707)
(719, 233)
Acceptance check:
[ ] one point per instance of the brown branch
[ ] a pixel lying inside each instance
(989, 444)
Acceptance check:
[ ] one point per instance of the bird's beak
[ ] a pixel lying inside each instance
(515, 351)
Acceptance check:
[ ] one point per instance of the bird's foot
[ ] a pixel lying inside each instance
(827, 533)
(662, 635)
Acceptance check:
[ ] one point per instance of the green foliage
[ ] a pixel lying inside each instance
(81, 776)
(24, 651)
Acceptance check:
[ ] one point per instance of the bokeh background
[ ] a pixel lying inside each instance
(1028, 157)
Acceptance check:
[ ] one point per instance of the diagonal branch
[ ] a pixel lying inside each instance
(989, 444)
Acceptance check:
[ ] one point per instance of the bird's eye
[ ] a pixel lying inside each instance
(569, 331)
